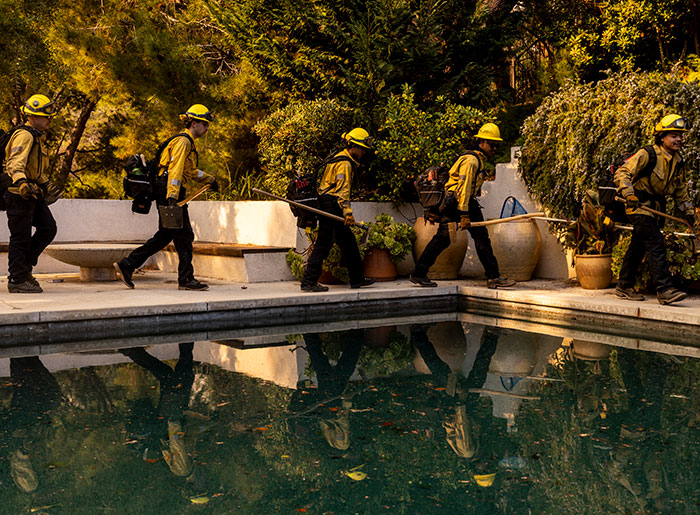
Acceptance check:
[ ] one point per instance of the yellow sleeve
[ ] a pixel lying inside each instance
(179, 151)
(464, 174)
(18, 149)
(628, 171)
(343, 180)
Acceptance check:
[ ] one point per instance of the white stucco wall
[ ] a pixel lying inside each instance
(272, 223)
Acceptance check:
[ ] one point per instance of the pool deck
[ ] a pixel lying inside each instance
(73, 311)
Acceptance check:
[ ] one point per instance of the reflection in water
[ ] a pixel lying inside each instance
(434, 418)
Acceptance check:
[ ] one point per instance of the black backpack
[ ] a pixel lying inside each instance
(304, 190)
(607, 190)
(430, 186)
(6, 180)
(142, 182)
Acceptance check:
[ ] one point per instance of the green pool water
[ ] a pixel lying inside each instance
(444, 417)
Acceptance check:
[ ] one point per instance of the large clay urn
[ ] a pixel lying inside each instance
(450, 260)
(516, 246)
(594, 271)
(516, 354)
(449, 343)
(590, 351)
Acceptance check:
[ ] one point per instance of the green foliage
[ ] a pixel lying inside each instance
(293, 140)
(577, 132)
(395, 237)
(590, 234)
(411, 139)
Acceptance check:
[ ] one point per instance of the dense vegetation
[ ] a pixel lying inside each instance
(122, 71)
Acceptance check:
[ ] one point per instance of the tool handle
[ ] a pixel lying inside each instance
(660, 213)
(194, 195)
(508, 219)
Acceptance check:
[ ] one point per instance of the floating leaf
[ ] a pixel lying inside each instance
(203, 499)
(356, 475)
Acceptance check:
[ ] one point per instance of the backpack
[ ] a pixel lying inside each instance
(142, 182)
(430, 186)
(607, 190)
(6, 180)
(304, 190)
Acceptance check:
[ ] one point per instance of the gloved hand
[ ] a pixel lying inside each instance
(213, 185)
(28, 190)
(691, 220)
(465, 222)
(632, 201)
(51, 192)
(350, 220)
(171, 201)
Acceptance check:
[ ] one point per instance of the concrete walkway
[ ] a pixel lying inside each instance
(72, 311)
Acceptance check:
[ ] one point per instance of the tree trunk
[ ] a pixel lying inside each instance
(75, 136)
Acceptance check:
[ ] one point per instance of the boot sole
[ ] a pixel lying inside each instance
(192, 289)
(431, 285)
(678, 298)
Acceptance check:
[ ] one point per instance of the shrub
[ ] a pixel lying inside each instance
(396, 237)
(410, 139)
(294, 139)
(578, 131)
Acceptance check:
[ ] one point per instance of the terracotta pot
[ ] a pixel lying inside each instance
(594, 271)
(378, 265)
(379, 336)
(516, 246)
(450, 260)
(590, 351)
(328, 278)
(516, 355)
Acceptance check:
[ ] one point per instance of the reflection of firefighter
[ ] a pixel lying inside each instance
(332, 384)
(35, 394)
(638, 443)
(175, 386)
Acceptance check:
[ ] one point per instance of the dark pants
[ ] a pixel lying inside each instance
(441, 241)
(646, 238)
(25, 248)
(330, 231)
(182, 238)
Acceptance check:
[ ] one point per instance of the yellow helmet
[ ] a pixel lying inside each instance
(39, 105)
(484, 480)
(672, 122)
(360, 137)
(198, 112)
(489, 131)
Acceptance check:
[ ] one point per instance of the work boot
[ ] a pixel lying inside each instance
(670, 296)
(314, 288)
(628, 293)
(25, 287)
(33, 280)
(365, 282)
(421, 281)
(193, 285)
(499, 282)
(125, 274)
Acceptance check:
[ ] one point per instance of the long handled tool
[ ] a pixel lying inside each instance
(617, 226)
(194, 195)
(507, 219)
(660, 213)
(308, 208)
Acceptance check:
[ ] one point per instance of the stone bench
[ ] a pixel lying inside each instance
(234, 262)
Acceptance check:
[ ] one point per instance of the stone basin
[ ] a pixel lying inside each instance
(94, 259)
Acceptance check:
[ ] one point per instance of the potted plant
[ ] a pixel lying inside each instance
(388, 243)
(592, 238)
(334, 270)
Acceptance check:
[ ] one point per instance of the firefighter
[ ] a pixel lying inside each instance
(460, 205)
(178, 165)
(26, 164)
(668, 178)
(334, 198)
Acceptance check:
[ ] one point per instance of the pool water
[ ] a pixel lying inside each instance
(443, 417)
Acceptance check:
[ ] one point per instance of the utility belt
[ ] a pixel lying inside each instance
(656, 201)
(329, 204)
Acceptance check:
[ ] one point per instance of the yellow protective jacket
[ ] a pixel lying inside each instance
(179, 158)
(25, 159)
(336, 181)
(668, 178)
(466, 178)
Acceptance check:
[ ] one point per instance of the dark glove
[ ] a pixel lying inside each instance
(171, 201)
(690, 219)
(350, 220)
(632, 201)
(465, 222)
(28, 190)
(214, 186)
(51, 192)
